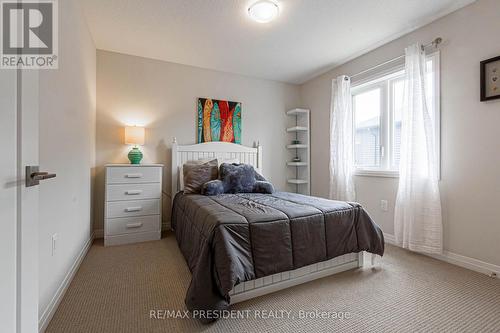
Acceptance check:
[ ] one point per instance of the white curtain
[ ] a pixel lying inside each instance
(341, 141)
(417, 220)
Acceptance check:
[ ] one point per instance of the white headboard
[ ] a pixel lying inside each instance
(219, 150)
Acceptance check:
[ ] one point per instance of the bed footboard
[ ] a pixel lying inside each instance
(269, 284)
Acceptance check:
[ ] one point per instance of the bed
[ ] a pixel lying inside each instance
(240, 246)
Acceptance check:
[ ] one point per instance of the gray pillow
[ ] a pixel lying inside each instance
(259, 177)
(195, 175)
(213, 187)
(261, 186)
(237, 178)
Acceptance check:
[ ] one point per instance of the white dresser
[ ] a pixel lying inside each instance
(132, 210)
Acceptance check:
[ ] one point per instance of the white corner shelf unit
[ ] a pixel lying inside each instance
(299, 140)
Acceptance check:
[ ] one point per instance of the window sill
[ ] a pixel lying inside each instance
(376, 173)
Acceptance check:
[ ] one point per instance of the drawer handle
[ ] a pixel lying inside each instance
(133, 192)
(134, 225)
(133, 175)
(133, 209)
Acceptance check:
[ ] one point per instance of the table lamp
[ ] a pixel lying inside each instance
(134, 135)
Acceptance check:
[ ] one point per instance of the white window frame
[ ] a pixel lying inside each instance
(387, 118)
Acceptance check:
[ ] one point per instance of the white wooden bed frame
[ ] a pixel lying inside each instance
(275, 282)
(219, 150)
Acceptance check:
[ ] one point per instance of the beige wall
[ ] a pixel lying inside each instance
(67, 147)
(162, 97)
(470, 147)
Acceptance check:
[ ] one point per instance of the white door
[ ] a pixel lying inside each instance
(18, 203)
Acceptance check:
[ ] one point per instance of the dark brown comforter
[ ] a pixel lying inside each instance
(232, 238)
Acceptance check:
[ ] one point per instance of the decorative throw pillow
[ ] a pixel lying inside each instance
(196, 162)
(195, 175)
(213, 187)
(237, 178)
(258, 175)
(263, 187)
(228, 161)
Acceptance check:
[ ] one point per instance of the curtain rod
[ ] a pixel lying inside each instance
(434, 43)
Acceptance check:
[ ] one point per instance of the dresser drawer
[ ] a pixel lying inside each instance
(132, 208)
(118, 192)
(133, 175)
(129, 225)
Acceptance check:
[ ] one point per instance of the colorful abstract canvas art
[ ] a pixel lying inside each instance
(219, 121)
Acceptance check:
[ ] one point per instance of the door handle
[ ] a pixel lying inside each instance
(42, 175)
(34, 175)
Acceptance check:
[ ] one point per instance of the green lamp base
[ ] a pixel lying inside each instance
(135, 156)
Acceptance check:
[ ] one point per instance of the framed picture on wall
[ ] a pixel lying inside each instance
(219, 120)
(490, 79)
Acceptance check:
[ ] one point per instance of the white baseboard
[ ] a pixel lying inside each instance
(98, 233)
(457, 259)
(49, 312)
(390, 239)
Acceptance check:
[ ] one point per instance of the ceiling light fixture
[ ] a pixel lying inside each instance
(263, 11)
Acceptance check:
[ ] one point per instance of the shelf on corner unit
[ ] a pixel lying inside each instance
(295, 112)
(297, 129)
(296, 146)
(297, 181)
(297, 164)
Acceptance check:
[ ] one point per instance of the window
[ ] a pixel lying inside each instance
(367, 105)
(377, 106)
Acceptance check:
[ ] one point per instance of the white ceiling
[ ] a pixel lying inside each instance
(308, 38)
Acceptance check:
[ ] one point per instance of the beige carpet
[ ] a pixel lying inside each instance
(116, 287)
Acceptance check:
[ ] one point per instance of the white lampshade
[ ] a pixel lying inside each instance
(134, 135)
